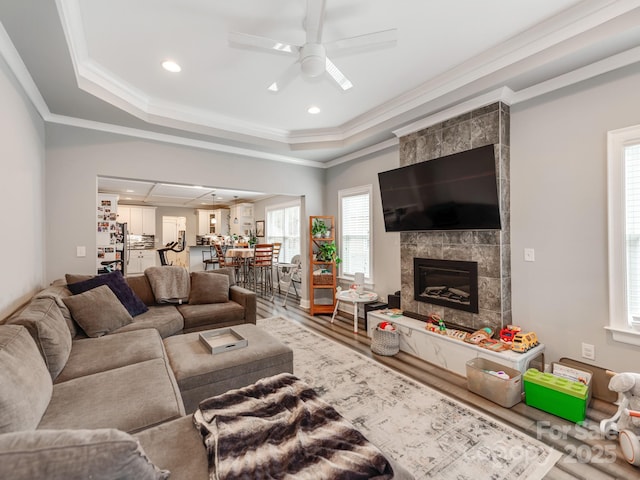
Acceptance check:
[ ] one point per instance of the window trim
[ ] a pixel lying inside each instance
(621, 330)
(282, 206)
(349, 192)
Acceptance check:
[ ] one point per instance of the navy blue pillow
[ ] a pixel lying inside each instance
(116, 282)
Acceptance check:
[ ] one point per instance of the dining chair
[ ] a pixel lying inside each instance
(210, 257)
(261, 267)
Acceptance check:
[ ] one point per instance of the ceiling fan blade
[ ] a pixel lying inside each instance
(313, 22)
(253, 41)
(286, 77)
(338, 76)
(383, 38)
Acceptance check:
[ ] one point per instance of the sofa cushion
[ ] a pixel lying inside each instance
(25, 382)
(98, 311)
(58, 292)
(129, 398)
(116, 282)
(142, 288)
(164, 318)
(229, 272)
(95, 355)
(208, 288)
(211, 315)
(184, 456)
(47, 326)
(75, 455)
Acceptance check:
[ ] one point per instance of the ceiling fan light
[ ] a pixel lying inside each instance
(313, 66)
(312, 59)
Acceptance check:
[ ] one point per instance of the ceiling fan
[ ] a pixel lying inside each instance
(312, 56)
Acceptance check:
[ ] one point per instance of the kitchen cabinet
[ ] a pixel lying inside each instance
(140, 260)
(243, 212)
(222, 222)
(139, 220)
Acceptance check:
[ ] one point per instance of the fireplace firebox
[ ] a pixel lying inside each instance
(449, 283)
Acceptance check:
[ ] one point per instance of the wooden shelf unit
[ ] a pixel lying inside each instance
(322, 287)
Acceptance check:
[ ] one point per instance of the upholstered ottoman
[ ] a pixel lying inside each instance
(201, 374)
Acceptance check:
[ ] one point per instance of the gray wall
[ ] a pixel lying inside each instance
(386, 246)
(559, 208)
(22, 237)
(76, 156)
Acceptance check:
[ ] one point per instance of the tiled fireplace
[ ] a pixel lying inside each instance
(489, 249)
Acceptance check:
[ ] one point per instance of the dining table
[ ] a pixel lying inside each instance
(242, 254)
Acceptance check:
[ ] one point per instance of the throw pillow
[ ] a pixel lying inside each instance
(99, 454)
(208, 287)
(98, 311)
(25, 383)
(44, 320)
(230, 272)
(120, 287)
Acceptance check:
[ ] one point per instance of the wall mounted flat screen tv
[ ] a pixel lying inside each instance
(456, 192)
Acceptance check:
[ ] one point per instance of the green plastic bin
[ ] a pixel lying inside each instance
(561, 397)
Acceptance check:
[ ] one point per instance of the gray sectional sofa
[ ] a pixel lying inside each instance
(78, 397)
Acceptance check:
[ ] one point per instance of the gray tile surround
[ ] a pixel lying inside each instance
(491, 249)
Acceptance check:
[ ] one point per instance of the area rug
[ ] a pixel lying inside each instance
(431, 435)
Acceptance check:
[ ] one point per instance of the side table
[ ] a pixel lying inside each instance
(356, 299)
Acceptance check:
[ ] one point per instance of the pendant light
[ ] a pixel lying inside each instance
(235, 204)
(213, 206)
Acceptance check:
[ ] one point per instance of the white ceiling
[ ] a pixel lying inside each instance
(139, 192)
(98, 64)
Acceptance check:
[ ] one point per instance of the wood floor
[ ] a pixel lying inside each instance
(586, 454)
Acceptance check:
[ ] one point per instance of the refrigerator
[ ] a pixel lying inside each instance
(111, 236)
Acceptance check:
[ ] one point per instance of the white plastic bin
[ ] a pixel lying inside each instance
(504, 392)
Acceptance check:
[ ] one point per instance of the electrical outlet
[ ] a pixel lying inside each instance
(588, 351)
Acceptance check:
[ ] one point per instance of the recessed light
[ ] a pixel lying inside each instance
(313, 110)
(171, 66)
(129, 190)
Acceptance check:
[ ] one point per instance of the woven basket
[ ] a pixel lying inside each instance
(385, 342)
(323, 279)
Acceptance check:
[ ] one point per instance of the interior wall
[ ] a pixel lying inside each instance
(22, 154)
(76, 157)
(559, 208)
(386, 245)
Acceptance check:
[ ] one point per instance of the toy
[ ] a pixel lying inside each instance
(523, 342)
(626, 421)
(508, 332)
(480, 335)
(388, 326)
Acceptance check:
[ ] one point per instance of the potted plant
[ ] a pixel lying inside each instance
(328, 252)
(252, 238)
(318, 228)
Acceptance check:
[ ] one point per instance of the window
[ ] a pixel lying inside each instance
(355, 231)
(283, 225)
(624, 234)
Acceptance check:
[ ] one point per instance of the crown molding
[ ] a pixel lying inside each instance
(504, 95)
(102, 83)
(177, 140)
(378, 147)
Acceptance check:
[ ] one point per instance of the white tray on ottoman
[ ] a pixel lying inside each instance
(202, 375)
(222, 340)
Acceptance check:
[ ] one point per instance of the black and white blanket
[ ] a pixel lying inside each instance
(278, 428)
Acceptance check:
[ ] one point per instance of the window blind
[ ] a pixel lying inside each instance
(632, 227)
(355, 233)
